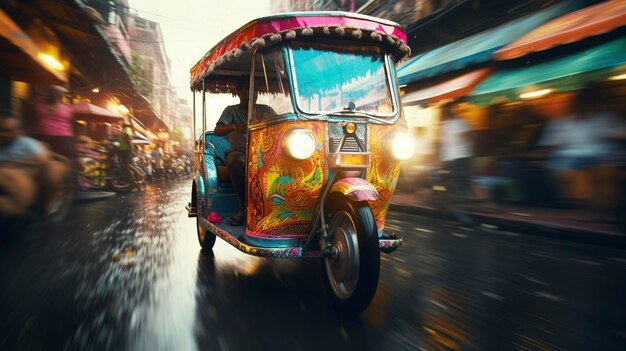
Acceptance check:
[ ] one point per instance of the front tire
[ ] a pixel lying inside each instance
(120, 182)
(351, 277)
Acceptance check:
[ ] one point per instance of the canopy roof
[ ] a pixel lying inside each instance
(231, 56)
(92, 112)
(590, 21)
(566, 73)
(140, 139)
(478, 48)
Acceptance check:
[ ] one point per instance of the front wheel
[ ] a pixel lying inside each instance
(351, 274)
(120, 181)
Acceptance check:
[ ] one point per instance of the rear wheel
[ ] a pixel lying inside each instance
(205, 237)
(351, 275)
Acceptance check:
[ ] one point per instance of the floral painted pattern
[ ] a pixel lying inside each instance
(383, 172)
(283, 193)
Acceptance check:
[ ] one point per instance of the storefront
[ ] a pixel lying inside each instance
(23, 62)
(512, 93)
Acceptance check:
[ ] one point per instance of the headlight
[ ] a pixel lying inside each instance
(401, 146)
(299, 143)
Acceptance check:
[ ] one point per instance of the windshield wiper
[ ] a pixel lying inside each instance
(350, 110)
(373, 117)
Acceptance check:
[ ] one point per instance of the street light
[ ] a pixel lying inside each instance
(618, 77)
(535, 94)
(122, 109)
(118, 108)
(50, 61)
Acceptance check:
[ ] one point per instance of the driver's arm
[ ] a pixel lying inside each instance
(225, 124)
(223, 129)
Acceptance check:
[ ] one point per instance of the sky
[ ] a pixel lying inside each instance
(191, 27)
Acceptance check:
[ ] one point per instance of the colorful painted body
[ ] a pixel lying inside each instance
(284, 195)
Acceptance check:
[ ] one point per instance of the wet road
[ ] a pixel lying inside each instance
(126, 273)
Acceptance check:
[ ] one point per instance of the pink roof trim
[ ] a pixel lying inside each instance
(280, 24)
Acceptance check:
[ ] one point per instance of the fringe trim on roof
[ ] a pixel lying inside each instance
(399, 49)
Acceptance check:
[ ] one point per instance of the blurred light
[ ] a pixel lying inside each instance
(535, 94)
(618, 77)
(402, 146)
(402, 86)
(118, 108)
(95, 90)
(122, 109)
(299, 143)
(50, 61)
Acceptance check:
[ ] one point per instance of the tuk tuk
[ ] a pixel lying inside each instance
(322, 165)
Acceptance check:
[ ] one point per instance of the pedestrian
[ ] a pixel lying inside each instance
(26, 169)
(580, 150)
(54, 122)
(157, 162)
(456, 151)
(125, 149)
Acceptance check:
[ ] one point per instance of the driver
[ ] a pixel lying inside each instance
(234, 123)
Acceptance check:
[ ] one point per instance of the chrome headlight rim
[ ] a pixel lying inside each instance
(295, 150)
(400, 145)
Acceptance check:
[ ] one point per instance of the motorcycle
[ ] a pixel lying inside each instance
(102, 169)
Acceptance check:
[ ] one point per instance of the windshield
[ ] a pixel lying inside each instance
(330, 76)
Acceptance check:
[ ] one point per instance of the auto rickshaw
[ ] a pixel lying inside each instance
(321, 168)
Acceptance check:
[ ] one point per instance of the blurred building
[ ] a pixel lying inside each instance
(31, 53)
(181, 114)
(150, 64)
(401, 11)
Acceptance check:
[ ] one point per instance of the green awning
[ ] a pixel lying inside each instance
(566, 73)
(478, 48)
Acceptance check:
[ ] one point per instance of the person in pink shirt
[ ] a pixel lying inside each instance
(55, 122)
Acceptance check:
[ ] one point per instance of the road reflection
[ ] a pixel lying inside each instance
(128, 273)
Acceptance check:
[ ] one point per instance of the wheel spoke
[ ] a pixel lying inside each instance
(343, 269)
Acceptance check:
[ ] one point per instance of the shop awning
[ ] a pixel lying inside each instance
(590, 21)
(566, 73)
(454, 88)
(140, 139)
(143, 111)
(19, 56)
(137, 125)
(478, 48)
(93, 113)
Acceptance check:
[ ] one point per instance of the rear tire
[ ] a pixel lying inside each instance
(205, 237)
(351, 278)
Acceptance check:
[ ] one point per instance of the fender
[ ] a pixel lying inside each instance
(200, 189)
(355, 189)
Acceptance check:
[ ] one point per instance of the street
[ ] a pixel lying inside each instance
(127, 273)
